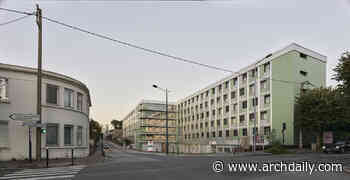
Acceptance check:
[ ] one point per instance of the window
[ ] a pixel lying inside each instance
(3, 89)
(4, 134)
(267, 99)
(241, 118)
(68, 135)
(252, 89)
(213, 134)
(233, 118)
(213, 91)
(79, 101)
(206, 124)
(202, 134)
(263, 115)
(244, 77)
(80, 136)
(52, 94)
(201, 125)
(244, 104)
(235, 132)
(255, 101)
(303, 73)
(244, 132)
(266, 67)
(235, 107)
(225, 121)
(206, 104)
(68, 97)
(220, 87)
(226, 84)
(213, 113)
(218, 122)
(52, 134)
(207, 114)
(302, 55)
(206, 94)
(233, 94)
(227, 109)
(220, 133)
(251, 116)
(212, 123)
(218, 99)
(211, 101)
(263, 84)
(253, 72)
(207, 134)
(225, 97)
(234, 81)
(227, 133)
(267, 131)
(241, 92)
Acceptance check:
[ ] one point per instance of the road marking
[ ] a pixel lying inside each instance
(45, 173)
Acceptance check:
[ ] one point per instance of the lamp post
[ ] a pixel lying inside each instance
(166, 117)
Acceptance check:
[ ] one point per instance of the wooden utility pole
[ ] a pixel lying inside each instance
(39, 76)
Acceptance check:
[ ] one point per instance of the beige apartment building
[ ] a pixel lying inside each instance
(145, 126)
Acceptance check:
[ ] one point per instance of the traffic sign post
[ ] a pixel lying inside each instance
(24, 117)
(30, 120)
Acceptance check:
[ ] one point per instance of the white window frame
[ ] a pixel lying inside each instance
(80, 136)
(4, 86)
(80, 103)
(71, 98)
(4, 139)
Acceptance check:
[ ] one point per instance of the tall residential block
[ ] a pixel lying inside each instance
(260, 98)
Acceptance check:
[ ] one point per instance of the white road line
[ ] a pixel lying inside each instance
(53, 171)
(41, 174)
(49, 173)
(51, 177)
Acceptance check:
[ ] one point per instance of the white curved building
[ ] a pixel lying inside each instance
(65, 109)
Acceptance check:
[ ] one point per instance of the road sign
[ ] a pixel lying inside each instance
(24, 117)
(33, 124)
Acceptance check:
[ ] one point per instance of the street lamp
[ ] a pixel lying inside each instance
(166, 116)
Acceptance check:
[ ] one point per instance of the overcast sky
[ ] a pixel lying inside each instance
(228, 34)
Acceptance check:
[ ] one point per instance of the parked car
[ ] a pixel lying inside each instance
(106, 146)
(340, 147)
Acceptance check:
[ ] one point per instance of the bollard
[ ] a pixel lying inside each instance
(72, 156)
(47, 157)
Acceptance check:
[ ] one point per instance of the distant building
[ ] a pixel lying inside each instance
(65, 110)
(226, 114)
(145, 126)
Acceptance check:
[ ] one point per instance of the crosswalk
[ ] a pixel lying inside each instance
(45, 173)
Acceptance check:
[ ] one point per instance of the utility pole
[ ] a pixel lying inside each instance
(39, 78)
(166, 117)
(255, 105)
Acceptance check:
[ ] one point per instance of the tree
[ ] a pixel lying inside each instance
(342, 76)
(342, 71)
(117, 124)
(319, 110)
(95, 130)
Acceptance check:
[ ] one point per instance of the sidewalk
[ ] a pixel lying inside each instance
(26, 164)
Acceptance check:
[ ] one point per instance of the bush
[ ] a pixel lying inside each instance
(277, 150)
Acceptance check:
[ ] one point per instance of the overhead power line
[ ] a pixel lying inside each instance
(137, 46)
(14, 20)
(123, 42)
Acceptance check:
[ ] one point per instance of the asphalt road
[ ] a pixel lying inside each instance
(130, 165)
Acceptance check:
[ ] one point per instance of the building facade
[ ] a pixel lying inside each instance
(65, 111)
(145, 126)
(259, 98)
